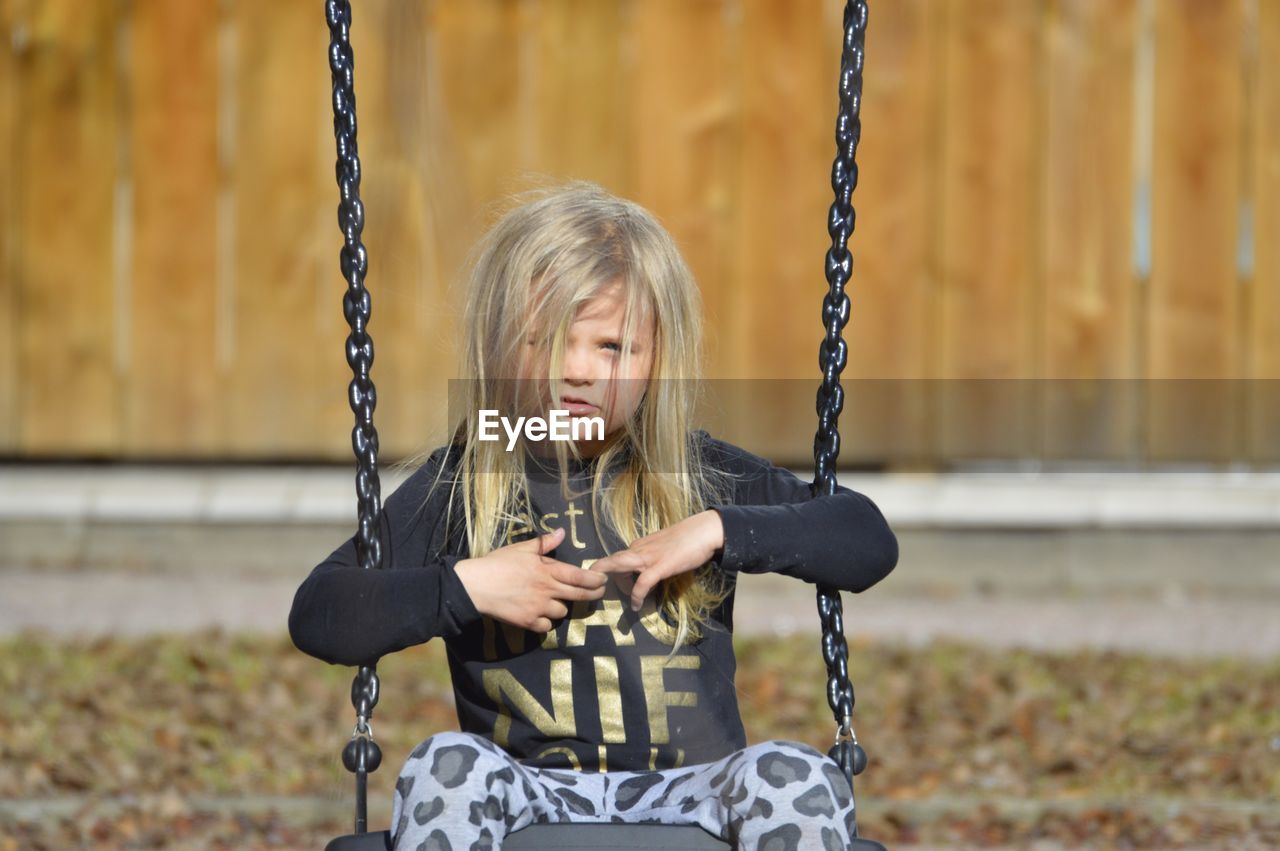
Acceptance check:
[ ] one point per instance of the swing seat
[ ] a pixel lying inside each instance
(579, 837)
(377, 841)
(604, 837)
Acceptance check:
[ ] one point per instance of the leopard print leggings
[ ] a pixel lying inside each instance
(461, 792)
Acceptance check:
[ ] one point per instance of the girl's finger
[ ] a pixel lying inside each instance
(605, 565)
(563, 591)
(542, 544)
(549, 541)
(645, 582)
(624, 561)
(567, 574)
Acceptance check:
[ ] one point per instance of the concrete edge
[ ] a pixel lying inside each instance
(1031, 500)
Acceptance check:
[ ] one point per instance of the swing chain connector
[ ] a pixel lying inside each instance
(361, 754)
(845, 733)
(363, 729)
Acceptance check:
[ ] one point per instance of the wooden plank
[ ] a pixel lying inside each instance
(680, 146)
(388, 189)
(464, 150)
(679, 143)
(891, 329)
(990, 233)
(1089, 305)
(577, 92)
(1192, 323)
(429, 226)
(786, 85)
(1264, 309)
(477, 50)
(281, 373)
(789, 58)
(173, 405)
(68, 387)
(408, 307)
(12, 40)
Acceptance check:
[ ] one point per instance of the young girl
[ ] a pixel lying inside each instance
(584, 588)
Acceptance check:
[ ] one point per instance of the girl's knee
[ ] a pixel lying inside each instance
(451, 760)
(780, 769)
(825, 773)
(801, 749)
(450, 782)
(788, 795)
(780, 763)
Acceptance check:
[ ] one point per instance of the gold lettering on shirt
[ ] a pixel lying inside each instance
(656, 625)
(573, 513)
(519, 527)
(543, 521)
(602, 757)
(559, 722)
(609, 614)
(658, 698)
(610, 699)
(653, 759)
(514, 637)
(566, 752)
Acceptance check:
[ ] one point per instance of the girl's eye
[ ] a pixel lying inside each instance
(614, 346)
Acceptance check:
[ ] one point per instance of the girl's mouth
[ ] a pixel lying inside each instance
(576, 406)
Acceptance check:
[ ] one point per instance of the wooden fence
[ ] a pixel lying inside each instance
(1050, 190)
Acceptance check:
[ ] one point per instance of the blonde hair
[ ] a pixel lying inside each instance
(544, 259)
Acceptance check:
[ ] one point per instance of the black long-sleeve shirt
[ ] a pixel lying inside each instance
(559, 700)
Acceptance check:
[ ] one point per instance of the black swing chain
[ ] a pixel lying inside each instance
(832, 356)
(361, 754)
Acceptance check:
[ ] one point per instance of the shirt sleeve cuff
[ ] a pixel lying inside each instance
(456, 605)
(740, 545)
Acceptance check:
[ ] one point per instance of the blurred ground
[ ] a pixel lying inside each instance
(1072, 661)
(214, 740)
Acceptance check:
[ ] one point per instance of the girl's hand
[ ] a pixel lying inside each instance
(519, 585)
(677, 549)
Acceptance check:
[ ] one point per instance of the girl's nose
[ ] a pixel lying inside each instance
(577, 364)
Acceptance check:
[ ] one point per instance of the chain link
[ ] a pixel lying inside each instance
(833, 355)
(361, 393)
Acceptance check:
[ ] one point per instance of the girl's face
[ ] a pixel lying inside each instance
(593, 383)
